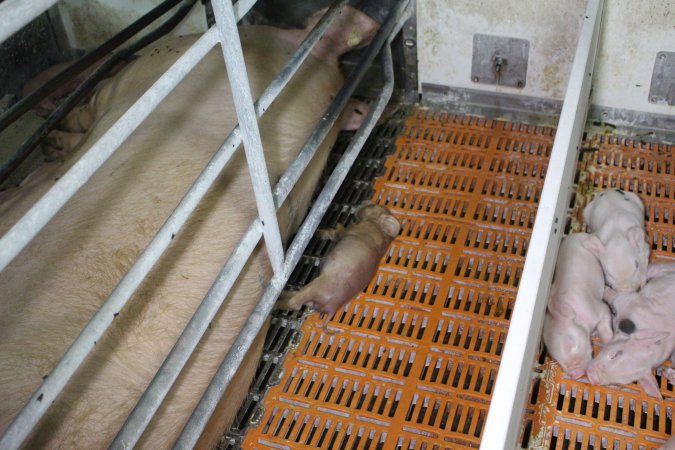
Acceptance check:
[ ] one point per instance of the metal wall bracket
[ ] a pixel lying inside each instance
(499, 60)
(662, 87)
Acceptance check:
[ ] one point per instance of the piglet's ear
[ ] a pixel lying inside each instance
(651, 387)
(562, 309)
(593, 244)
(636, 236)
(609, 294)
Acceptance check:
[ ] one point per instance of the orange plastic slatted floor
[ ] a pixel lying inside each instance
(565, 413)
(411, 363)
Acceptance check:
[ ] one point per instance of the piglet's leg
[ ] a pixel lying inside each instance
(332, 234)
(651, 387)
(657, 269)
(669, 373)
(59, 144)
(604, 330)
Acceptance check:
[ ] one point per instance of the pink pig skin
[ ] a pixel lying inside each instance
(575, 307)
(617, 218)
(49, 292)
(352, 263)
(630, 357)
(669, 444)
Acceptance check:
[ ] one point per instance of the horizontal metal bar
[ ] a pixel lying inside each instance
(49, 204)
(37, 217)
(195, 329)
(79, 94)
(504, 420)
(15, 14)
(237, 352)
(100, 52)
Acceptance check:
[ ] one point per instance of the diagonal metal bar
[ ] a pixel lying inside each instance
(153, 396)
(230, 364)
(243, 104)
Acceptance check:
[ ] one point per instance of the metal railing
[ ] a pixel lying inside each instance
(505, 415)
(267, 201)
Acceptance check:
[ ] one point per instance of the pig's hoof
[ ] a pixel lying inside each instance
(670, 375)
(79, 120)
(58, 145)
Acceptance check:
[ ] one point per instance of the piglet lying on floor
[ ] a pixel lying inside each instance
(575, 307)
(351, 264)
(645, 336)
(617, 218)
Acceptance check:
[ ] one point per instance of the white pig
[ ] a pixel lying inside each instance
(645, 336)
(351, 264)
(51, 289)
(617, 218)
(575, 306)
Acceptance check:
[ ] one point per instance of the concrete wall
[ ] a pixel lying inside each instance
(632, 33)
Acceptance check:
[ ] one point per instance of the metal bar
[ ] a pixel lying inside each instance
(241, 7)
(78, 66)
(36, 218)
(504, 420)
(46, 207)
(79, 94)
(291, 176)
(233, 359)
(15, 14)
(167, 374)
(243, 104)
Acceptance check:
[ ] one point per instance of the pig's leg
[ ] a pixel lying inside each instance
(59, 144)
(79, 120)
(657, 269)
(650, 386)
(669, 372)
(669, 444)
(332, 234)
(604, 329)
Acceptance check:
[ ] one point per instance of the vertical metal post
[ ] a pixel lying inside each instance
(230, 364)
(504, 420)
(243, 102)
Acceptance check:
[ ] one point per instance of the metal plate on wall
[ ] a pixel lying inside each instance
(662, 87)
(500, 60)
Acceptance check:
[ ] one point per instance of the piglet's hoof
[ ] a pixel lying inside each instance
(59, 144)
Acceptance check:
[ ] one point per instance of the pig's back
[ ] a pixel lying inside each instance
(54, 286)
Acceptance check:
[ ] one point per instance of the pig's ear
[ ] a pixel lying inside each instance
(361, 211)
(609, 294)
(390, 225)
(636, 236)
(651, 387)
(593, 244)
(562, 309)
